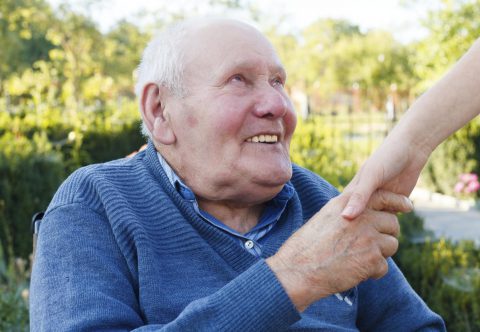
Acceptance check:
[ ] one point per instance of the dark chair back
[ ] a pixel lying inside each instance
(35, 226)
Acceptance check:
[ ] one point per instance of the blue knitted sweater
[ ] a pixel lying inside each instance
(119, 249)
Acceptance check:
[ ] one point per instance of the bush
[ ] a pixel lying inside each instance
(458, 154)
(322, 149)
(445, 274)
(14, 295)
(30, 172)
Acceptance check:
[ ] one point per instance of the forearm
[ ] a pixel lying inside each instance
(294, 283)
(446, 107)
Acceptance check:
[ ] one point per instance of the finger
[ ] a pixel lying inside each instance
(380, 270)
(360, 190)
(383, 200)
(384, 222)
(388, 245)
(355, 205)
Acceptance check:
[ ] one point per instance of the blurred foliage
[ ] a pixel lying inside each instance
(75, 66)
(335, 145)
(453, 28)
(22, 190)
(321, 144)
(23, 28)
(331, 58)
(14, 282)
(445, 274)
(458, 154)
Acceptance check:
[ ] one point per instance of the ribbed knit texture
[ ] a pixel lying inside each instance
(119, 249)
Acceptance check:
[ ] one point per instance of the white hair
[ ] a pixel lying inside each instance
(162, 63)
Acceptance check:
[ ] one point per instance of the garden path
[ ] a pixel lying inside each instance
(446, 216)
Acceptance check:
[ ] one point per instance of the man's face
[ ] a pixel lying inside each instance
(233, 128)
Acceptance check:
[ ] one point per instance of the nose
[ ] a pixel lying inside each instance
(272, 103)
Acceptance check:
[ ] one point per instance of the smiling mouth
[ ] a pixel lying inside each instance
(271, 139)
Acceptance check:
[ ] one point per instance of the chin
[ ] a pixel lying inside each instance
(275, 178)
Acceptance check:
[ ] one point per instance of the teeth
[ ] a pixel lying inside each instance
(263, 139)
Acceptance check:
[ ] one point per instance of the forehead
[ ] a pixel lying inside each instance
(225, 45)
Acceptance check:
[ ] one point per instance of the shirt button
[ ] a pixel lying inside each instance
(249, 244)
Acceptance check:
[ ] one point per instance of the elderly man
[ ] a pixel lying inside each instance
(211, 228)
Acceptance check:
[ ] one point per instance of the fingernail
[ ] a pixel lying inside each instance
(409, 203)
(348, 211)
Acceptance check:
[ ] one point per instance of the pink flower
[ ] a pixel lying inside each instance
(459, 187)
(467, 177)
(472, 187)
(468, 183)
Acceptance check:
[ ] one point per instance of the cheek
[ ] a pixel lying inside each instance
(230, 118)
(191, 121)
(290, 122)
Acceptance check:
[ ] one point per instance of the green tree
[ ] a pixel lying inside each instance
(77, 55)
(452, 30)
(123, 49)
(23, 24)
(337, 58)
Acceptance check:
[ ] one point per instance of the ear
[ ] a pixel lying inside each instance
(154, 116)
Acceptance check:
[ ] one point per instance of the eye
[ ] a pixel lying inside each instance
(237, 78)
(278, 81)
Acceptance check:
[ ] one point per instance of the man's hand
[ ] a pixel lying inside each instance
(330, 254)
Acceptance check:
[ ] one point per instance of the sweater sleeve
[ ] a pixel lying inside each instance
(390, 304)
(81, 282)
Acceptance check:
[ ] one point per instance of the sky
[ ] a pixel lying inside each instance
(404, 21)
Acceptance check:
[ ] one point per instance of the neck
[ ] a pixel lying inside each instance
(238, 217)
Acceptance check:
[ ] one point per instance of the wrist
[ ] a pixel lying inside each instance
(411, 135)
(295, 284)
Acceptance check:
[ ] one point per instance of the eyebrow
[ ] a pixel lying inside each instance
(252, 65)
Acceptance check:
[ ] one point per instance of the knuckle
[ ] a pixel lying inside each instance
(382, 268)
(368, 241)
(391, 246)
(382, 197)
(396, 244)
(373, 258)
(395, 226)
(389, 225)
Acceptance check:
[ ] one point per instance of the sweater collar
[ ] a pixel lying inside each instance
(273, 208)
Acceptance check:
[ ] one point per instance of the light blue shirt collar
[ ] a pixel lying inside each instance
(271, 214)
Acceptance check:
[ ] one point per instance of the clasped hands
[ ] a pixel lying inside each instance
(331, 254)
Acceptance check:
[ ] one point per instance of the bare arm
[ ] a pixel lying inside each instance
(447, 106)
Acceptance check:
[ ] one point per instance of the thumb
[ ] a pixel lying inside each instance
(359, 190)
(356, 205)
